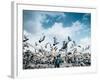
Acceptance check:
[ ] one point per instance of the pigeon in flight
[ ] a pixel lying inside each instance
(25, 39)
(55, 41)
(64, 45)
(42, 39)
(69, 39)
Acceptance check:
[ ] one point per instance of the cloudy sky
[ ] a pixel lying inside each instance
(57, 24)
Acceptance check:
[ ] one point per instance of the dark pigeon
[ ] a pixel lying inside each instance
(42, 39)
(25, 39)
(55, 41)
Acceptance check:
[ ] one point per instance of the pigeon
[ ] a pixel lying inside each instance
(69, 39)
(26, 39)
(55, 41)
(42, 39)
(64, 45)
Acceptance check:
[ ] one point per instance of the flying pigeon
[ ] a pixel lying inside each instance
(69, 39)
(26, 39)
(55, 41)
(42, 39)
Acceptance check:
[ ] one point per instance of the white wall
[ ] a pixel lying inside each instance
(5, 41)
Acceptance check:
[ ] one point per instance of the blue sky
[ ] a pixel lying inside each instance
(67, 19)
(59, 24)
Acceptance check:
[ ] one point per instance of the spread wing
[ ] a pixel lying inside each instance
(42, 39)
(25, 39)
(55, 41)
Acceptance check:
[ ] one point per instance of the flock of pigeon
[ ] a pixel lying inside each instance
(69, 55)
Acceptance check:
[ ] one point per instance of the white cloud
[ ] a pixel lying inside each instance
(33, 27)
(35, 23)
(85, 41)
(56, 30)
(86, 44)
